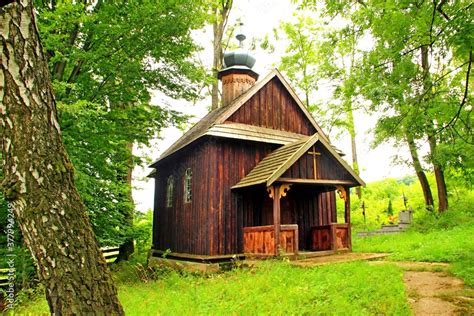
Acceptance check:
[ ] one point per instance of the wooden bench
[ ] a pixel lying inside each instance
(110, 253)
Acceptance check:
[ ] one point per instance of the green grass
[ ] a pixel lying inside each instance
(272, 288)
(435, 238)
(275, 287)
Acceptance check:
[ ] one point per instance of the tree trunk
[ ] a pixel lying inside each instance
(39, 180)
(439, 176)
(420, 173)
(430, 131)
(128, 247)
(221, 15)
(355, 163)
(216, 62)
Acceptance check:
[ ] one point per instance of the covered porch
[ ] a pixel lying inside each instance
(288, 201)
(294, 219)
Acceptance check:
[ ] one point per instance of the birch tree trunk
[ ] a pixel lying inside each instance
(38, 176)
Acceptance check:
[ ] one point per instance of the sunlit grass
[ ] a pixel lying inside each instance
(272, 288)
(454, 245)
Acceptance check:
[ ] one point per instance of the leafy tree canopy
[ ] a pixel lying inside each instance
(105, 57)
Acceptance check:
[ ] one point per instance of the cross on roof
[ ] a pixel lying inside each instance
(314, 154)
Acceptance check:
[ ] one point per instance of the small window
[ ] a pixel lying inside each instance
(169, 191)
(188, 176)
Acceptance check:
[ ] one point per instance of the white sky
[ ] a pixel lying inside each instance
(260, 17)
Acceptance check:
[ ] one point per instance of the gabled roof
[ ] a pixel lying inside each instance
(272, 167)
(220, 115)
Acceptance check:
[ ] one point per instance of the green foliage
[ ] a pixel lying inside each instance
(389, 210)
(142, 231)
(272, 288)
(377, 196)
(380, 196)
(104, 58)
(300, 60)
(410, 64)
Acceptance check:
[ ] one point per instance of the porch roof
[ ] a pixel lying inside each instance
(272, 167)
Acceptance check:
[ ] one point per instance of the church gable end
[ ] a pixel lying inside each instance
(327, 167)
(273, 107)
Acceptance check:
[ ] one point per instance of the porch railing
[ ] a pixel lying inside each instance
(331, 237)
(260, 240)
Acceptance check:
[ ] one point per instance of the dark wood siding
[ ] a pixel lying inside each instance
(304, 206)
(182, 227)
(234, 159)
(209, 224)
(327, 167)
(273, 107)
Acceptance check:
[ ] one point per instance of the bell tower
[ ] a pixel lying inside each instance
(237, 75)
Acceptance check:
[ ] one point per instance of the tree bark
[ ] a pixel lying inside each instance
(355, 163)
(221, 15)
(420, 173)
(430, 131)
(439, 176)
(39, 180)
(128, 247)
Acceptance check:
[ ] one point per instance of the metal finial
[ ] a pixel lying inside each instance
(240, 36)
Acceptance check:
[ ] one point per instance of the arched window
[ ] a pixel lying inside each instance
(169, 191)
(188, 177)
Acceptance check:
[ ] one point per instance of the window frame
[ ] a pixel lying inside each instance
(170, 187)
(188, 185)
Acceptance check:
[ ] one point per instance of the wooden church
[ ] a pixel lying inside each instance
(256, 176)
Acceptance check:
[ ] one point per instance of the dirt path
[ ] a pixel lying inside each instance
(432, 291)
(435, 293)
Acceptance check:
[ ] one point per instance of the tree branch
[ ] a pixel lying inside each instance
(464, 99)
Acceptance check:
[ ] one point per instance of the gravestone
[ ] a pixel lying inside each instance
(405, 218)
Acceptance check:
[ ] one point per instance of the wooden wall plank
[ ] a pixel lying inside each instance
(273, 107)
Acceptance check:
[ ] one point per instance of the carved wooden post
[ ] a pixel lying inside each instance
(276, 192)
(276, 216)
(347, 210)
(344, 194)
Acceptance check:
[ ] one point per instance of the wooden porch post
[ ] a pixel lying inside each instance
(276, 216)
(347, 213)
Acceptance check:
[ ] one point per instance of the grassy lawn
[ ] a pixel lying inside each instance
(276, 287)
(273, 288)
(446, 238)
(454, 245)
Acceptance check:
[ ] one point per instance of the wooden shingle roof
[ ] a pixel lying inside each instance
(255, 133)
(279, 161)
(220, 115)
